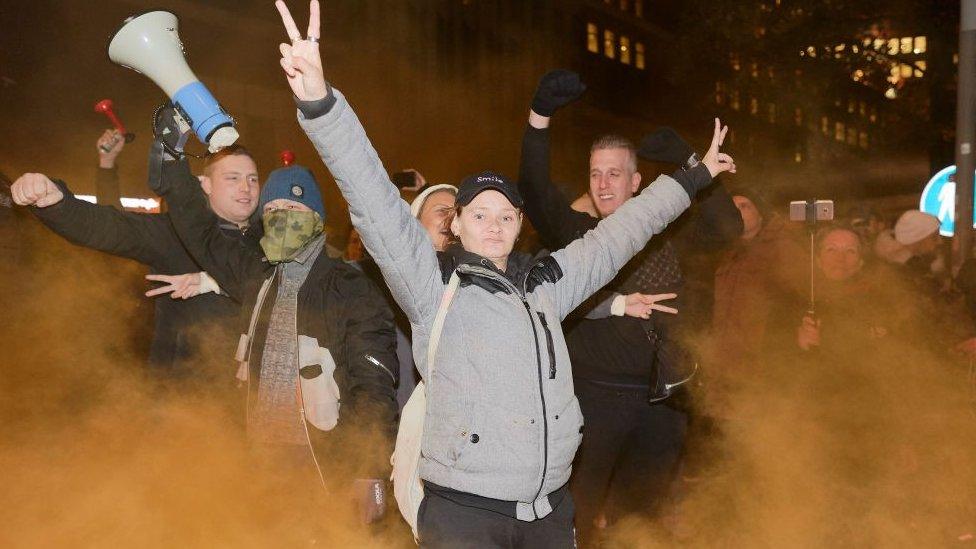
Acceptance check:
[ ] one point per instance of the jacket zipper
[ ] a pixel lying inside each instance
(538, 361)
(545, 415)
(549, 343)
(381, 366)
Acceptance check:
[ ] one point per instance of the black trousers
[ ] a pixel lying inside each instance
(629, 457)
(444, 524)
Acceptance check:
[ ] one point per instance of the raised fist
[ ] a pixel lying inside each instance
(557, 88)
(35, 189)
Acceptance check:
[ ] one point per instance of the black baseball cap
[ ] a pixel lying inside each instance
(473, 185)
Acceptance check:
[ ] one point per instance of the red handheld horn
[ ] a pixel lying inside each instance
(287, 158)
(105, 107)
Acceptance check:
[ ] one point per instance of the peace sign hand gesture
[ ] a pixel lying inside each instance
(300, 59)
(718, 162)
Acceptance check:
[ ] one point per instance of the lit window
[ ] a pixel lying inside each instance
(798, 116)
(874, 114)
(855, 48)
(625, 50)
(811, 51)
(955, 59)
(734, 61)
(771, 113)
(919, 69)
(919, 44)
(862, 140)
(639, 8)
(753, 105)
(906, 70)
(798, 155)
(735, 100)
(639, 55)
(609, 44)
(754, 69)
(878, 43)
(851, 105)
(824, 125)
(858, 75)
(592, 38)
(852, 137)
(906, 44)
(839, 131)
(892, 46)
(862, 108)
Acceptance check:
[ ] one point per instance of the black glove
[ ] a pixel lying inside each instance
(557, 88)
(665, 145)
(171, 130)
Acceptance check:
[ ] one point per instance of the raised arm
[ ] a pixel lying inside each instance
(227, 260)
(393, 237)
(104, 228)
(593, 260)
(545, 206)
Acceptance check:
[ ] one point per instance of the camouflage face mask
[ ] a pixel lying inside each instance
(286, 232)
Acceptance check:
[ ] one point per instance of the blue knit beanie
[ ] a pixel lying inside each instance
(293, 183)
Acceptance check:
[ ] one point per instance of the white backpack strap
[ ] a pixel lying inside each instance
(438, 326)
(244, 343)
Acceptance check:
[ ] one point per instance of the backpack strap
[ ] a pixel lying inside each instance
(438, 326)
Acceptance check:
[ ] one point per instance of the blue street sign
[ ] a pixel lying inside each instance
(939, 199)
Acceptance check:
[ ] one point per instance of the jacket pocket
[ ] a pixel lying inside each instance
(567, 433)
(320, 392)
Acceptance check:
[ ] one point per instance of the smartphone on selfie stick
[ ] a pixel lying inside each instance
(812, 212)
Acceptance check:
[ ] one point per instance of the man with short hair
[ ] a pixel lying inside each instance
(187, 332)
(626, 360)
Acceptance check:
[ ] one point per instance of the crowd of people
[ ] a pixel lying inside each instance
(565, 386)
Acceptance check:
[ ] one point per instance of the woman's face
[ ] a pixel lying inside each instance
(435, 216)
(840, 255)
(488, 226)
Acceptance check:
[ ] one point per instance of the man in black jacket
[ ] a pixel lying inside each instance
(626, 361)
(318, 353)
(189, 334)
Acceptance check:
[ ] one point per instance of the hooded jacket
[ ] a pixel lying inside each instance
(502, 419)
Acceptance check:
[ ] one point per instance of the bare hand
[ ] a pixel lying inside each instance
(35, 189)
(182, 286)
(109, 146)
(718, 162)
(301, 60)
(808, 334)
(643, 305)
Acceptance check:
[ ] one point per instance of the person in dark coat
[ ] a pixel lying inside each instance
(187, 332)
(626, 360)
(318, 351)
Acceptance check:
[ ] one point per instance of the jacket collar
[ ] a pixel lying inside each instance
(523, 273)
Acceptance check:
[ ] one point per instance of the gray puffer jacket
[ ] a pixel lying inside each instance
(502, 418)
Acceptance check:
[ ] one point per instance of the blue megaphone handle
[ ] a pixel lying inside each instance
(201, 110)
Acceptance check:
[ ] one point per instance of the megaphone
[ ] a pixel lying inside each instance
(150, 44)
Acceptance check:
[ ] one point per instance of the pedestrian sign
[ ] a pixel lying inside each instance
(939, 199)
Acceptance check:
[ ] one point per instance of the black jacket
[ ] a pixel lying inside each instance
(623, 350)
(182, 327)
(339, 311)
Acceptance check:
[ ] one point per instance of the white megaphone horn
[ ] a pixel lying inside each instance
(150, 44)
